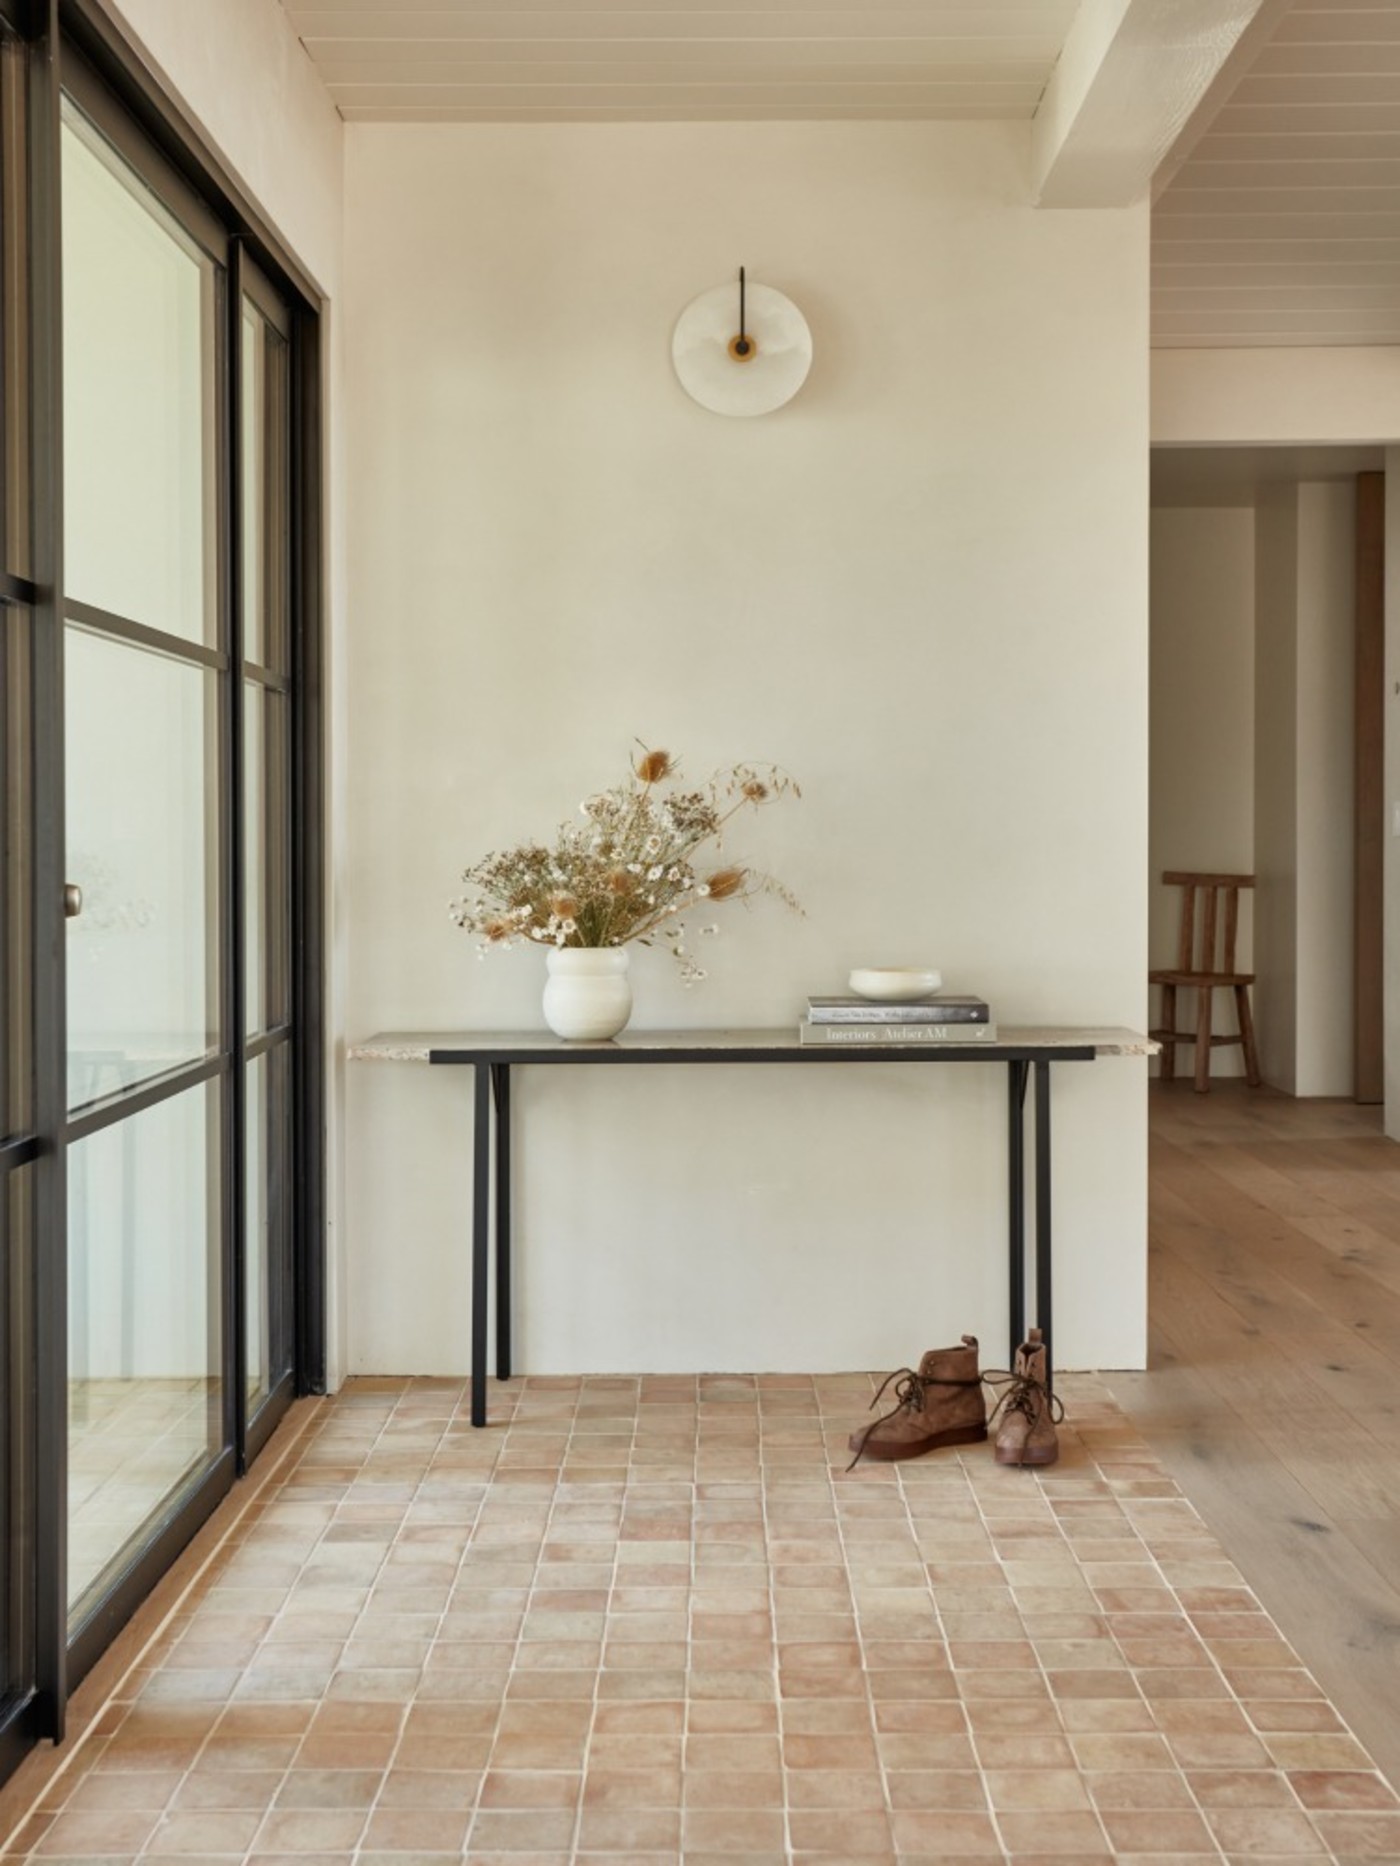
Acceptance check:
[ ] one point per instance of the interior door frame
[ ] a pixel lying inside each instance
(53, 30)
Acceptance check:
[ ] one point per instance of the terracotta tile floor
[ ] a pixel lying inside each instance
(650, 1620)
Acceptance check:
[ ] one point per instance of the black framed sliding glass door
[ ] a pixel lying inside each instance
(160, 1044)
(21, 1142)
(145, 654)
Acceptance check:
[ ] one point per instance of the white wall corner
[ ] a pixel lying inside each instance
(1391, 910)
(1276, 784)
(1326, 780)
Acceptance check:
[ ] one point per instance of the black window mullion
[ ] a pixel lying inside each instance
(264, 1040)
(125, 1103)
(231, 508)
(122, 628)
(14, 833)
(50, 1221)
(266, 677)
(15, 387)
(308, 906)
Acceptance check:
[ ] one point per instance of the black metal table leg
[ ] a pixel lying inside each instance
(500, 1081)
(481, 1229)
(1017, 1075)
(1044, 1302)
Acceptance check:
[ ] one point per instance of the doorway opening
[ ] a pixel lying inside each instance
(1254, 744)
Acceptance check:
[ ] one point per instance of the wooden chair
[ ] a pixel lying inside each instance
(1196, 969)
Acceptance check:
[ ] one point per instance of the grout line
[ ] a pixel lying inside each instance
(607, 1605)
(1000, 1560)
(1155, 1562)
(695, 1468)
(1083, 1569)
(896, 1484)
(564, 1427)
(779, 1720)
(336, 1508)
(1242, 1704)
(408, 1708)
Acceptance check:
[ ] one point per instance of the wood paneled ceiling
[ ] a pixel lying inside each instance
(559, 61)
(1283, 224)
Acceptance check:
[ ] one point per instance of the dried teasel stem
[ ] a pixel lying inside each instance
(628, 871)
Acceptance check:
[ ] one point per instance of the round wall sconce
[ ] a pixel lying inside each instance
(743, 352)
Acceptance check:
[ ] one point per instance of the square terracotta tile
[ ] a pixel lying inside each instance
(746, 1830)
(1021, 1790)
(1158, 1831)
(939, 1835)
(1262, 1830)
(1355, 1835)
(1055, 1834)
(951, 1789)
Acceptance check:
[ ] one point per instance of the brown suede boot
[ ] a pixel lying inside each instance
(1027, 1412)
(941, 1404)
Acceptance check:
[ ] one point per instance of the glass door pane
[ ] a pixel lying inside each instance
(16, 1190)
(142, 846)
(16, 872)
(139, 305)
(146, 704)
(268, 1223)
(145, 1407)
(267, 883)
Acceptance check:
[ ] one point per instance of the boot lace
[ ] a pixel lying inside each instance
(909, 1397)
(1024, 1394)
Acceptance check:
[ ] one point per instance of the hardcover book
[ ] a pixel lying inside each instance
(946, 1009)
(854, 1035)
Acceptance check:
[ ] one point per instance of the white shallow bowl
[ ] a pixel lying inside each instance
(892, 982)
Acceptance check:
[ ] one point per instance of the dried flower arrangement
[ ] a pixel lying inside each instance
(627, 871)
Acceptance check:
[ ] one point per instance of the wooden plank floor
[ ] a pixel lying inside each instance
(1273, 1390)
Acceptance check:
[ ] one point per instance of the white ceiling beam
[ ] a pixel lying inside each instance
(1131, 77)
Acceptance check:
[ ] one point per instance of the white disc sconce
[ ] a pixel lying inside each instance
(741, 351)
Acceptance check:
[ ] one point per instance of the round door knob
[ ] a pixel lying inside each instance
(72, 901)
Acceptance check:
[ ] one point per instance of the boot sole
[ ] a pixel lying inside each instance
(1030, 1457)
(890, 1454)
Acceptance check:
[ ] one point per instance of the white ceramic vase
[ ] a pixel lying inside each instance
(587, 996)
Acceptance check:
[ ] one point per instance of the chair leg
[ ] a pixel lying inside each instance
(1204, 994)
(1246, 1016)
(1169, 1025)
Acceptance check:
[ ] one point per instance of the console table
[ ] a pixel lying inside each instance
(491, 1055)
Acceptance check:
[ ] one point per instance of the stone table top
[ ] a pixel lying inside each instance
(542, 1046)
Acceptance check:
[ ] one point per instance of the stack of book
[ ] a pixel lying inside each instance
(943, 1019)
